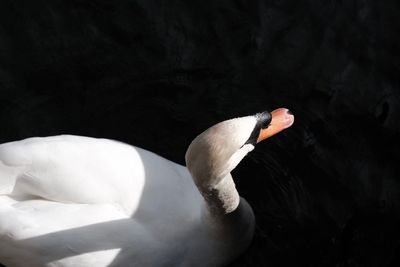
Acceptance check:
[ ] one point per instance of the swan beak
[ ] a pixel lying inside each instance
(282, 118)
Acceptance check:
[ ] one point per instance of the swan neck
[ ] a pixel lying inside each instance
(221, 198)
(228, 215)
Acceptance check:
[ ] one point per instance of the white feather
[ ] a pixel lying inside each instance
(80, 201)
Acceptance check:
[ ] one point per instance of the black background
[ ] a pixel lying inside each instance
(154, 74)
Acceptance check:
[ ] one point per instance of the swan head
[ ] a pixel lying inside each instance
(218, 150)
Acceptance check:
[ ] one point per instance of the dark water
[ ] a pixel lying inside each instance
(155, 74)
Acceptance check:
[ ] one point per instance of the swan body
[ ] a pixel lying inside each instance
(80, 201)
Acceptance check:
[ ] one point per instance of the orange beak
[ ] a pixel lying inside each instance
(282, 118)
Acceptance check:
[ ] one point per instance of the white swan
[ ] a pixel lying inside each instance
(80, 201)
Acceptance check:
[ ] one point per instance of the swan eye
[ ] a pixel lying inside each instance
(265, 125)
(264, 119)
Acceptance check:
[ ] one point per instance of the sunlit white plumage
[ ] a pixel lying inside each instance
(80, 201)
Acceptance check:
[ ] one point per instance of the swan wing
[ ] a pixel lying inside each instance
(84, 170)
(80, 200)
(72, 169)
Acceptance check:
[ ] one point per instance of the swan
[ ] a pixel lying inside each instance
(79, 201)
